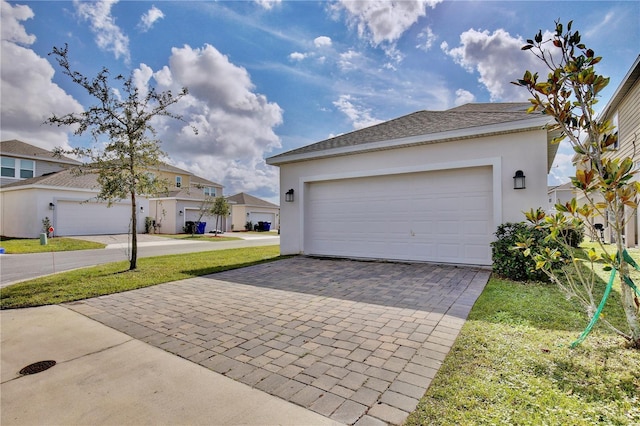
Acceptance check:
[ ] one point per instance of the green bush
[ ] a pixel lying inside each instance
(510, 262)
(573, 236)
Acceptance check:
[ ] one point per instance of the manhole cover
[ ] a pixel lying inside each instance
(37, 367)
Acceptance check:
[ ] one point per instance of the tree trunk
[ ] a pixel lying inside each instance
(631, 312)
(133, 262)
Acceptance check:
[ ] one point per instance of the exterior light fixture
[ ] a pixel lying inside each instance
(141, 209)
(180, 212)
(518, 180)
(52, 206)
(288, 196)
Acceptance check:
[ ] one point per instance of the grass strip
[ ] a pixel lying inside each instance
(512, 364)
(115, 277)
(29, 245)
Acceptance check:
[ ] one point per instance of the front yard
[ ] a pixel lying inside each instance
(511, 364)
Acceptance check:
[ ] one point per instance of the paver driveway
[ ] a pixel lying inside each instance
(358, 342)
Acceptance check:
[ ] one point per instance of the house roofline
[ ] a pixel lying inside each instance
(47, 187)
(452, 135)
(623, 89)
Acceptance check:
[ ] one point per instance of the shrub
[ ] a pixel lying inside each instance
(512, 263)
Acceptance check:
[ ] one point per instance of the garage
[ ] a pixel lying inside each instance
(442, 216)
(429, 186)
(256, 217)
(91, 218)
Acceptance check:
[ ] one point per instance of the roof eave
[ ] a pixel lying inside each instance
(467, 133)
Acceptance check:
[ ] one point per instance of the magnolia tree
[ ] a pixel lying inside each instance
(130, 152)
(568, 94)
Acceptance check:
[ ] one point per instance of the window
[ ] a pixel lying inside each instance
(178, 181)
(209, 191)
(27, 167)
(9, 169)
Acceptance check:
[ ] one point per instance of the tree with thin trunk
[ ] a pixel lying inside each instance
(124, 165)
(568, 94)
(220, 208)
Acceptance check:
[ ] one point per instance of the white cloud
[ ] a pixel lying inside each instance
(384, 20)
(350, 60)
(12, 30)
(297, 56)
(268, 4)
(497, 58)
(29, 95)
(427, 38)
(359, 116)
(322, 41)
(235, 124)
(108, 35)
(562, 166)
(148, 19)
(464, 97)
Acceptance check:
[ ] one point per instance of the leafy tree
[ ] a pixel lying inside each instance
(568, 94)
(130, 152)
(220, 208)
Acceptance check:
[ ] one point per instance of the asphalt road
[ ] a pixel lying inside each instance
(20, 267)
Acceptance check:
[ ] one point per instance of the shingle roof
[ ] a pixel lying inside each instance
(69, 178)
(423, 123)
(22, 149)
(250, 200)
(197, 180)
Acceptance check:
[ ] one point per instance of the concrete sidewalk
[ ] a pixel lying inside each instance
(103, 376)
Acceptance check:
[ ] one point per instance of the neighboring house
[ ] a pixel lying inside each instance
(623, 110)
(188, 198)
(559, 194)
(428, 186)
(247, 208)
(69, 200)
(22, 161)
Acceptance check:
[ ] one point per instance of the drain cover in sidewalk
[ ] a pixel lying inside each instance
(37, 367)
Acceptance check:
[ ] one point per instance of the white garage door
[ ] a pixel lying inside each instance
(440, 216)
(92, 218)
(262, 217)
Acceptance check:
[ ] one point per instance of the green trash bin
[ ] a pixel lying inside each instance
(43, 239)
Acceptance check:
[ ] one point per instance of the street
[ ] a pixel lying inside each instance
(20, 267)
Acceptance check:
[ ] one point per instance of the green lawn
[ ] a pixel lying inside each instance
(115, 277)
(30, 245)
(512, 364)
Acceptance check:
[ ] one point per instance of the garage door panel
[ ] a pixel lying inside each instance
(441, 216)
(91, 218)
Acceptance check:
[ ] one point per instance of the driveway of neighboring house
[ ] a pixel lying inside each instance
(358, 342)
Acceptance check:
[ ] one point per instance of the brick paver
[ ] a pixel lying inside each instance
(358, 342)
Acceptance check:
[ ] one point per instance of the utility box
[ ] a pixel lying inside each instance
(43, 239)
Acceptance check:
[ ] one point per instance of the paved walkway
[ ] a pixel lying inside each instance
(358, 342)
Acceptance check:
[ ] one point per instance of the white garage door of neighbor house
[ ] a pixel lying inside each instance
(91, 218)
(256, 217)
(438, 216)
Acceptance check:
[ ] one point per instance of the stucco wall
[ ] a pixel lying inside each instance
(526, 151)
(24, 209)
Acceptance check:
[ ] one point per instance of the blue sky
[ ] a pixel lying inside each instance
(269, 76)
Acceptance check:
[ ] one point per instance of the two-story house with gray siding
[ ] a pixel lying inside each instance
(21, 161)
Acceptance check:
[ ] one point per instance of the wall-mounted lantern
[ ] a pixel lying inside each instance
(52, 206)
(518, 180)
(288, 196)
(141, 209)
(181, 213)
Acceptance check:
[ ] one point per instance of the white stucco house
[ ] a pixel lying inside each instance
(247, 208)
(52, 190)
(429, 186)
